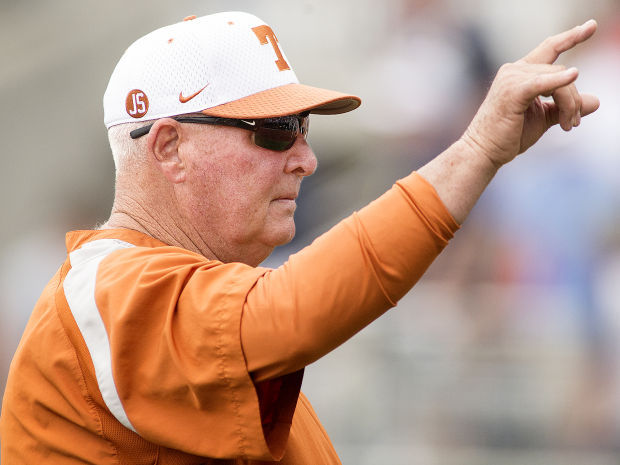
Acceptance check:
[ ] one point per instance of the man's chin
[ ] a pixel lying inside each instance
(283, 235)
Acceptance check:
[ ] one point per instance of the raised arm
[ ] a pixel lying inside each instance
(355, 272)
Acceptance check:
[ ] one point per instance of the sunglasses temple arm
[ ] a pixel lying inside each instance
(136, 133)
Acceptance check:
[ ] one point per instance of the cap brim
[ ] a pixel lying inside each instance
(289, 99)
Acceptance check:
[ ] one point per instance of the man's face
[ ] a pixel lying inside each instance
(240, 198)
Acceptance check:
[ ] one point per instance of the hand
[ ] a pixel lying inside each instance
(513, 116)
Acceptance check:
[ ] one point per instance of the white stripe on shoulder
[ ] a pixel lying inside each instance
(79, 287)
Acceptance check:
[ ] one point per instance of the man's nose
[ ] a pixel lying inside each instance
(301, 159)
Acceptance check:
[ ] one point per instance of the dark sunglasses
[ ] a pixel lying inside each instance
(277, 134)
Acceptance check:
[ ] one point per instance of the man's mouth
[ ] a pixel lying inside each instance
(289, 196)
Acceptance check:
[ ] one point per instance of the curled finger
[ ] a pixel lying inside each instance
(548, 83)
(568, 103)
(577, 99)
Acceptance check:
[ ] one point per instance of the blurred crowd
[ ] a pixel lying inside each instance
(508, 350)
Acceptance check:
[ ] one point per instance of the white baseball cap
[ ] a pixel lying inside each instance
(226, 64)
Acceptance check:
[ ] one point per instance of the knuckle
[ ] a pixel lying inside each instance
(506, 68)
(549, 42)
(557, 48)
(538, 81)
(555, 43)
(507, 72)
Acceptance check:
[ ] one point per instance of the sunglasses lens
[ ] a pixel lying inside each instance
(277, 134)
(274, 139)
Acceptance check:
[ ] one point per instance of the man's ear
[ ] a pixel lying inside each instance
(163, 143)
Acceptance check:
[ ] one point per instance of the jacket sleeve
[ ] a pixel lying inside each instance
(344, 280)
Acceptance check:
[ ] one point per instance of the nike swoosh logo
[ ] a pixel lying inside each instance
(188, 98)
(251, 123)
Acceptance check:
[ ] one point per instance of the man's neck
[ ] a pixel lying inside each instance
(131, 215)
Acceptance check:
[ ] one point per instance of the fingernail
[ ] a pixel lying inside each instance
(586, 24)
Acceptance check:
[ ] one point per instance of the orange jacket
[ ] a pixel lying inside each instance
(139, 353)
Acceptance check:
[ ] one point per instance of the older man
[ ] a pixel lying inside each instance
(160, 340)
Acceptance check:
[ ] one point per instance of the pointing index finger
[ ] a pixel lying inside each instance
(551, 48)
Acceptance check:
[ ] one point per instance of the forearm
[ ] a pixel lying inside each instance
(459, 175)
(347, 278)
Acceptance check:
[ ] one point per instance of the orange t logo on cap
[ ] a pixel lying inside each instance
(266, 35)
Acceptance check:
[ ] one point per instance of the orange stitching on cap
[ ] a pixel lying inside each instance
(189, 18)
(266, 35)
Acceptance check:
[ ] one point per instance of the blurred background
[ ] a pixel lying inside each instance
(508, 350)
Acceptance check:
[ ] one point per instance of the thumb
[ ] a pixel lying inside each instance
(589, 104)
